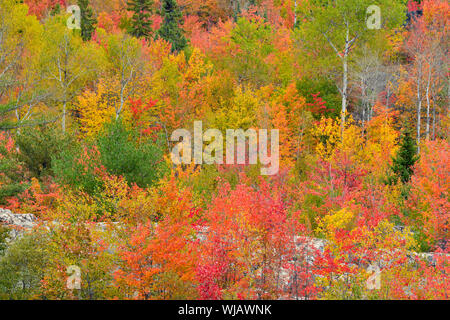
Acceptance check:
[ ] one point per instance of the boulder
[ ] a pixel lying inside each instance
(17, 223)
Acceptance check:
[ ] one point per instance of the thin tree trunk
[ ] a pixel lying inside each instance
(344, 82)
(364, 105)
(63, 124)
(419, 106)
(18, 120)
(295, 12)
(363, 116)
(433, 135)
(123, 86)
(427, 129)
(120, 108)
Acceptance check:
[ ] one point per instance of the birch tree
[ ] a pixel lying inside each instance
(342, 25)
(369, 79)
(126, 65)
(435, 31)
(19, 47)
(67, 63)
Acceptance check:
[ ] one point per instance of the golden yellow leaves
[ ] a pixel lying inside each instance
(197, 66)
(96, 108)
(338, 220)
(241, 113)
(327, 136)
(370, 148)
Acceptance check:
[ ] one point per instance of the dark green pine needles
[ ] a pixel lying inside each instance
(141, 23)
(88, 21)
(170, 29)
(406, 157)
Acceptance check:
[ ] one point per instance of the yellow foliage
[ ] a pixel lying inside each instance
(327, 134)
(341, 219)
(96, 108)
(386, 236)
(371, 150)
(197, 66)
(287, 138)
(241, 115)
(381, 143)
(165, 82)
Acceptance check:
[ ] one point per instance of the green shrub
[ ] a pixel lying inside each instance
(328, 92)
(22, 268)
(38, 145)
(117, 150)
(122, 155)
(76, 167)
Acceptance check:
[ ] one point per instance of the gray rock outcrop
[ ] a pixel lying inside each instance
(16, 223)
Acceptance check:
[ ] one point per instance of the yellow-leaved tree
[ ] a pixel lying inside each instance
(96, 107)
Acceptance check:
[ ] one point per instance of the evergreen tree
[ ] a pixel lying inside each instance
(88, 21)
(406, 157)
(141, 23)
(170, 29)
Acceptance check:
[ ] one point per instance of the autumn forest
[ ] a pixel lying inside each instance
(352, 95)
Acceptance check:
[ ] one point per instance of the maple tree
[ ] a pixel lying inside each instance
(158, 259)
(12, 173)
(249, 245)
(41, 8)
(429, 193)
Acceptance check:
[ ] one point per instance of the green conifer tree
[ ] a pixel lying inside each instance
(141, 23)
(406, 157)
(88, 21)
(170, 29)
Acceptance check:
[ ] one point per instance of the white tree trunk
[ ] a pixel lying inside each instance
(295, 12)
(427, 129)
(419, 105)
(63, 123)
(433, 135)
(344, 81)
(120, 108)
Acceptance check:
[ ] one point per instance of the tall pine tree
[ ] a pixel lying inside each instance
(141, 23)
(406, 157)
(88, 21)
(170, 29)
